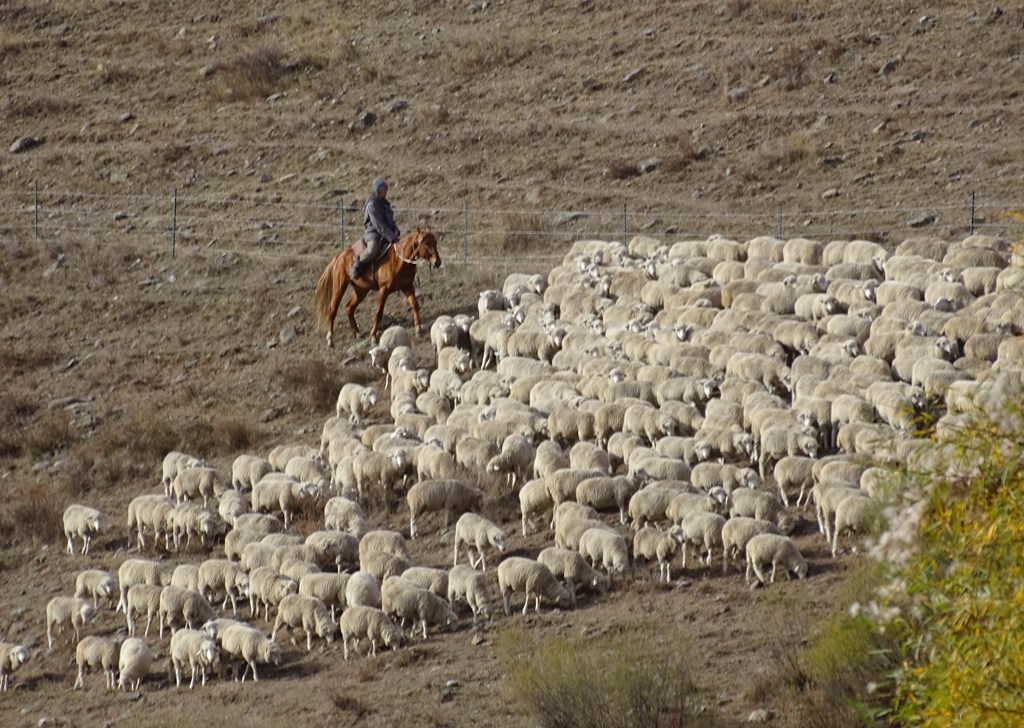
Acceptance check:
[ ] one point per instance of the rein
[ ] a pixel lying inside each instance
(415, 260)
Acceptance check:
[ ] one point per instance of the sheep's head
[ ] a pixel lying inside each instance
(208, 652)
(270, 652)
(392, 636)
(786, 523)
(325, 626)
(17, 657)
(948, 348)
(86, 612)
(702, 450)
(800, 569)
(498, 539)
(749, 478)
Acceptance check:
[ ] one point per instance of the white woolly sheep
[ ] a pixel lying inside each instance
(327, 587)
(133, 663)
(183, 607)
(856, 514)
(532, 577)
(737, 531)
(360, 622)
(515, 459)
(450, 496)
(174, 462)
(604, 493)
(362, 589)
(84, 522)
(728, 477)
(196, 648)
(267, 588)
(404, 599)
(704, 531)
(261, 523)
(651, 544)
(199, 482)
(356, 400)
(770, 548)
(384, 468)
(684, 503)
(605, 547)
(569, 424)
(280, 492)
(649, 505)
(476, 532)
(142, 597)
(231, 505)
(791, 472)
(191, 519)
(186, 576)
(12, 657)
(97, 653)
(470, 586)
(149, 512)
(435, 463)
(432, 579)
(570, 566)
(250, 646)
(221, 576)
(308, 612)
(534, 500)
(98, 584)
(384, 542)
(139, 571)
(761, 505)
(309, 470)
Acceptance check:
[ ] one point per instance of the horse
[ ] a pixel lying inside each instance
(396, 271)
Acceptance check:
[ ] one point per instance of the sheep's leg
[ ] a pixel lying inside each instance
(455, 561)
(71, 545)
(772, 579)
(504, 601)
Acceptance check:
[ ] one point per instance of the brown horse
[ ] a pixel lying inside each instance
(396, 271)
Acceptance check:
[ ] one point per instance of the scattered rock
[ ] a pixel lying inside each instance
(120, 215)
(591, 84)
(207, 70)
(634, 75)
(271, 413)
(648, 165)
(889, 66)
(921, 221)
(134, 697)
(567, 217)
(288, 335)
(478, 639)
(126, 117)
(395, 105)
(830, 193)
(365, 121)
(288, 177)
(295, 311)
(738, 93)
(23, 144)
(276, 97)
(761, 715)
(320, 155)
(452, 684)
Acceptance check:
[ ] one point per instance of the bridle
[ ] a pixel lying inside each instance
(416, 259)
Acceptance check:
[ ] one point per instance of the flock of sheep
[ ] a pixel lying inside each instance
(647, 403)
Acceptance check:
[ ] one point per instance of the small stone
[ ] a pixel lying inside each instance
(134, 697)
(395, 105)
(288, 335)
(648, 165)
(761, 715)
(478, 639)
(120, 215)
(921, 221)
(275, 97)
(634, 75)
(830, 193)
(208, 70)
(269, 414)
(295, 311)
(23, 144)
(567, 217)
(452, 684)
(890, 66)
(738, 93)
(126, 117)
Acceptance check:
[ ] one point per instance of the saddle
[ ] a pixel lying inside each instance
(360, 245)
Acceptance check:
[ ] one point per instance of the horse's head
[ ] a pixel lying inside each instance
(425, 247)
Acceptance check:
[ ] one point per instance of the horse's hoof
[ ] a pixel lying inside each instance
(419, 331)
(330, 341)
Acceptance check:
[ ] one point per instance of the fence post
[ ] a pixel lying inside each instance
(465, 235)
(341, 206)
(778, 234)
(35, 209)
(625, 227)
(973, 192)
(174, 221)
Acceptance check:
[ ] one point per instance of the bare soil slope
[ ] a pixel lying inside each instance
(824, 119)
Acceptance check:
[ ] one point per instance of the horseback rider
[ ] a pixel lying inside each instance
(379, 227)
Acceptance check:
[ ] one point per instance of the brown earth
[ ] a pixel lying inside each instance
(735, 117)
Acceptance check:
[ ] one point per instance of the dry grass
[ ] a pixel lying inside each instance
(32, 514)
(252, 75)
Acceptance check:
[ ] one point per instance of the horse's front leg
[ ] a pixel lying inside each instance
(358, 294)
(410, 296)
(382, 297)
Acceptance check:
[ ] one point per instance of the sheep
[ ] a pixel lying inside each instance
(93, 652)
(857, 514)
(218, 576)
(197, 648)
(307, 612)
(469, 585)
(329, 588)
(515, 459)
(138, 571)
(586, 456)
(685, 502)
(430, 578)
(561, 484)
(603, 493)
(816, 306)
(534, 499)
(828, 494)
(737, 531)
(82, 521)
(649, 504)
(362, 590)
(793, 471)
(149, 512)
(249, 645)
(477, 532)
(761, 505)
(261, 523)
(189, 519)
(332, 547)
(770, 548)
(378, 628)
(309, 470)
(381, 541)
(534, 578)
(607, 547)
(767, 370)
(133, 663)
(191, 606)
(728, 477)
(139, 597)
(267, 587)
(649, 468)
(570, 566)
(445, 332)
(199, 482)
(186, 576)
(174, 462)
(281, 492)
(12, 657)
(651, 543)
(97, 584)
(231, 505)
(703, 530)
(405, 600)
(780, 440)
(356, 400)
(375, 467)
(474, 453)
(449, 496)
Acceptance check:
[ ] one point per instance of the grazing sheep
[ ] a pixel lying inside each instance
(476, 532)
(469, 585)
(430, 578)
(261, 523)
(684, 503)
(330, 547)
(327, 587)
(149, 512)
(199, 482)
(309, 470)
(133, 663)
(770, 548)
(186, 576)
(606, 547)
(175, 462)
(82, 521)
(247, 470)
(221, 576)
(356, 400)
(139, 571)
(98, 653)
(190, 606)
(534, 500)
(97, 584)
(404, 600)
(737, 531)
(515, 459)
(267, 588)
(450, 496)
(231, 505)
(383, 468)
(728, 477)
(761, 505)
(307, 612)
(142, 597)
(12, 657)
(362, 589)
(856, 514)
(791, 472)
(378, 628)
(250, 646)
(604, 493)
(570, 566)
(198, 649)
(651, 543)
(283, 493)
(518, 573)
(189, 519)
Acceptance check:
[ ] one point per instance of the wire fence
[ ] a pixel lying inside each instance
(272, 225)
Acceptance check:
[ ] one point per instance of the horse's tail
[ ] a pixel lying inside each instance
(325, 292)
